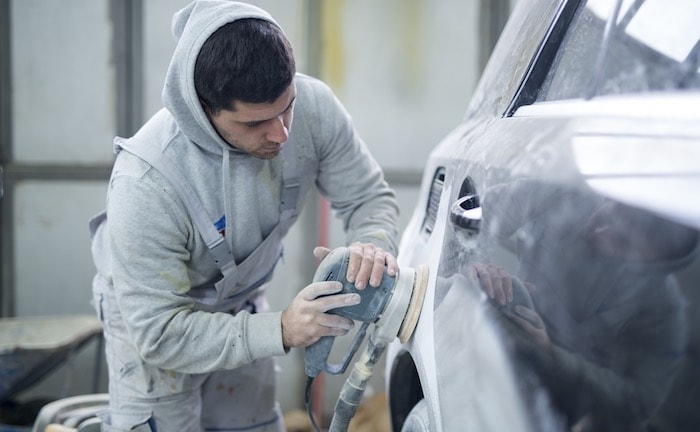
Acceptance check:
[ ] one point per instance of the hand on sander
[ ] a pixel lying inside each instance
(386, 306)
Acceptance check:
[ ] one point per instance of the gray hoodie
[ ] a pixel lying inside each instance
(149, 254)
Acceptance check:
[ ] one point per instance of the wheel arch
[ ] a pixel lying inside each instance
(405, 389)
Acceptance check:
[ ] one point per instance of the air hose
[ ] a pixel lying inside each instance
(355, 385)
(353, 388)
(393, 307)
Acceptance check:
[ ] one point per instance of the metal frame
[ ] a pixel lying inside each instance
(127, 19)
(538, 68)
(127, 46)
(6, 232)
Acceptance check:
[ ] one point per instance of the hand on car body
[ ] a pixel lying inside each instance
(498, 285)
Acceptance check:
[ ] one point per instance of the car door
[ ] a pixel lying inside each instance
(566, 280)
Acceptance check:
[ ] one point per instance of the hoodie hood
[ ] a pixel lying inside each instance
(191, 27)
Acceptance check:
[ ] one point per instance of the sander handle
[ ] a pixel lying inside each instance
(316, 355)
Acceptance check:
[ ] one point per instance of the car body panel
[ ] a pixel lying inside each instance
(586, 205)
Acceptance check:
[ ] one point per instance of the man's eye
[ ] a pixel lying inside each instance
(253, 124)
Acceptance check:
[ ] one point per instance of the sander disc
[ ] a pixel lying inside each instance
(420, 286)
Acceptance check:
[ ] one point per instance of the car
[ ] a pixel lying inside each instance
(560, 222)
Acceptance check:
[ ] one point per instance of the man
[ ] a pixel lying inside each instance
(198, 204)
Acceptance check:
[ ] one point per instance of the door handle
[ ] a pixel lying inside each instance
(465, 213)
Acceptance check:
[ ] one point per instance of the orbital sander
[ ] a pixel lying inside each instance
(392, 308)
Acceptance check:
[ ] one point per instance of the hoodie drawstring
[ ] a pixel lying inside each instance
(225, 187)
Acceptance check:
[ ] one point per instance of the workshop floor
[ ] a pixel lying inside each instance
(372, 416)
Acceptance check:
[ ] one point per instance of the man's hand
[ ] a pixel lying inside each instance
(495, 282)
(531, 322)
(306, 320)
(367, 263)
(498, 286)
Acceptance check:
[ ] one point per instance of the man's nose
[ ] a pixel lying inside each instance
(279, 131)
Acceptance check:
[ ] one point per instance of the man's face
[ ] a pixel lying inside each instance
(258, 129)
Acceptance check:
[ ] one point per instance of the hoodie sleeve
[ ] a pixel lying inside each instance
(348, 175)
(149, 251)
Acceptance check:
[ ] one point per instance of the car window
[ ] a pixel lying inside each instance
(507, 68)
(652, 46)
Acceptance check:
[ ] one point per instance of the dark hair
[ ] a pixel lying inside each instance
(248, 60)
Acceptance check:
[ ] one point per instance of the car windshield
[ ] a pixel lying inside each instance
(624, 47)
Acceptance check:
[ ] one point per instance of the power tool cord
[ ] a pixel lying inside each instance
(307, 400)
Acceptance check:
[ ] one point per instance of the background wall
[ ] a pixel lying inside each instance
(75, 73)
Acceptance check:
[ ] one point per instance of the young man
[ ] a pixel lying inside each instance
(198, 204)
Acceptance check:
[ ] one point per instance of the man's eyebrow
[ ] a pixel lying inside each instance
(284, 110)
(290, 105)
(275, 116)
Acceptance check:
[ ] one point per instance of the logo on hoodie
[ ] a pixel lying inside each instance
(220, 225)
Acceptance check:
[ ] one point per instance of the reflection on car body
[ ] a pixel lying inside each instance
(561, 224)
